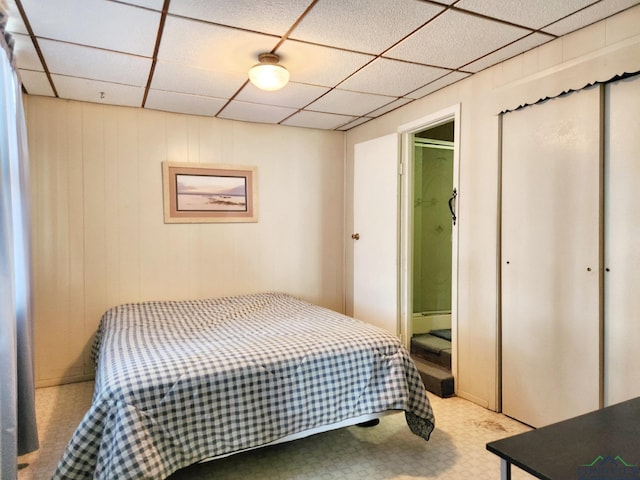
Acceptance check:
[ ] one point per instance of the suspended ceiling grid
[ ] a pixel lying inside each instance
(350, 61)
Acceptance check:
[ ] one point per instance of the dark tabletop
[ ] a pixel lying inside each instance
(604, 444)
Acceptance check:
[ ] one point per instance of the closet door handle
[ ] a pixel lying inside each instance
(452, 205)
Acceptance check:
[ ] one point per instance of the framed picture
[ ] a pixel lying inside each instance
(207, 193)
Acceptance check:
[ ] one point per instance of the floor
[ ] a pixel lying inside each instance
(388, 451)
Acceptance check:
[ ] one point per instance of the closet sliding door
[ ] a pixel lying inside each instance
(622, 241)
(550, 258)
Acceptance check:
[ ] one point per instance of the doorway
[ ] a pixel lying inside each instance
(429, 206)
(432, 229)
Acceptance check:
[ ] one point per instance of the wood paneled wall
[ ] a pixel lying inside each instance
(98, 233)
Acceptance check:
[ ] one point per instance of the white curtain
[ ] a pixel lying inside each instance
(18, 433)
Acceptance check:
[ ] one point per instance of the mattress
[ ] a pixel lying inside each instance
(178, 382)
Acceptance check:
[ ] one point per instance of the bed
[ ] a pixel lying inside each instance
(180, 382)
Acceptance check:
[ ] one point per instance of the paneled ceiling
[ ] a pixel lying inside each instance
(349, 60)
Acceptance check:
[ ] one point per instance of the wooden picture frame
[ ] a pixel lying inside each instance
(209, 193)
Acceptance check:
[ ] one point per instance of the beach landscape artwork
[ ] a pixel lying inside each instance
(211, 193)
(205, 193)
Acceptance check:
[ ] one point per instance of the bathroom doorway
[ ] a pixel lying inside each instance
(432, 228)
(429, 217)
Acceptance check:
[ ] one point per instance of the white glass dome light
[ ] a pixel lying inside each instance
(268, 74)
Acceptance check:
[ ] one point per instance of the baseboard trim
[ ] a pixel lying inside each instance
(53, 382)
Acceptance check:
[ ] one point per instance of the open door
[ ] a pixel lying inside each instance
(375, 235)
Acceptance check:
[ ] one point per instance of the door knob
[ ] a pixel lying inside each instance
(355, 236)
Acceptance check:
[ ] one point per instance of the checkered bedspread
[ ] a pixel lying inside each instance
(179, 382)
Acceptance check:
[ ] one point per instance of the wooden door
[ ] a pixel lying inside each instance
(550, 257)
(622, 240)
(375, 251)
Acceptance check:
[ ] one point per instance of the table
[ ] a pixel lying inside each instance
(604, 444)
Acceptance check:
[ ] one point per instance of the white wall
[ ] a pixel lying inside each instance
(98, 233)
(595, 53)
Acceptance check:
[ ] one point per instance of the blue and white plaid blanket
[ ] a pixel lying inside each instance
(180, 382)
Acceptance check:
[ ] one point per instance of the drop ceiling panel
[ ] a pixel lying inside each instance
(98, 92)
(362, 26)
(522, 45)
(212, 47)
(273, 17)
(328, 121)
(152, 4)
(295, 95)
(590, 15)
(253, 112)
(531, 13)
(36, 83)
(472, 37)
(185, 79)
(388, 107)
(75, 60)
(183, 103)
(391, 77)
(355, 123)
(349, 103)
(318, 65)
(25, 53)
(14, 22)
(97, 23)
(453, 77)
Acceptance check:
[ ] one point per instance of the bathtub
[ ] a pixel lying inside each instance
(423, 322)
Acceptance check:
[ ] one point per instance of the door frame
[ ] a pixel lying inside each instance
(405, 269)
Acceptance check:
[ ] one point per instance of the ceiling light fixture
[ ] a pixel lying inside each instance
(268, 74)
